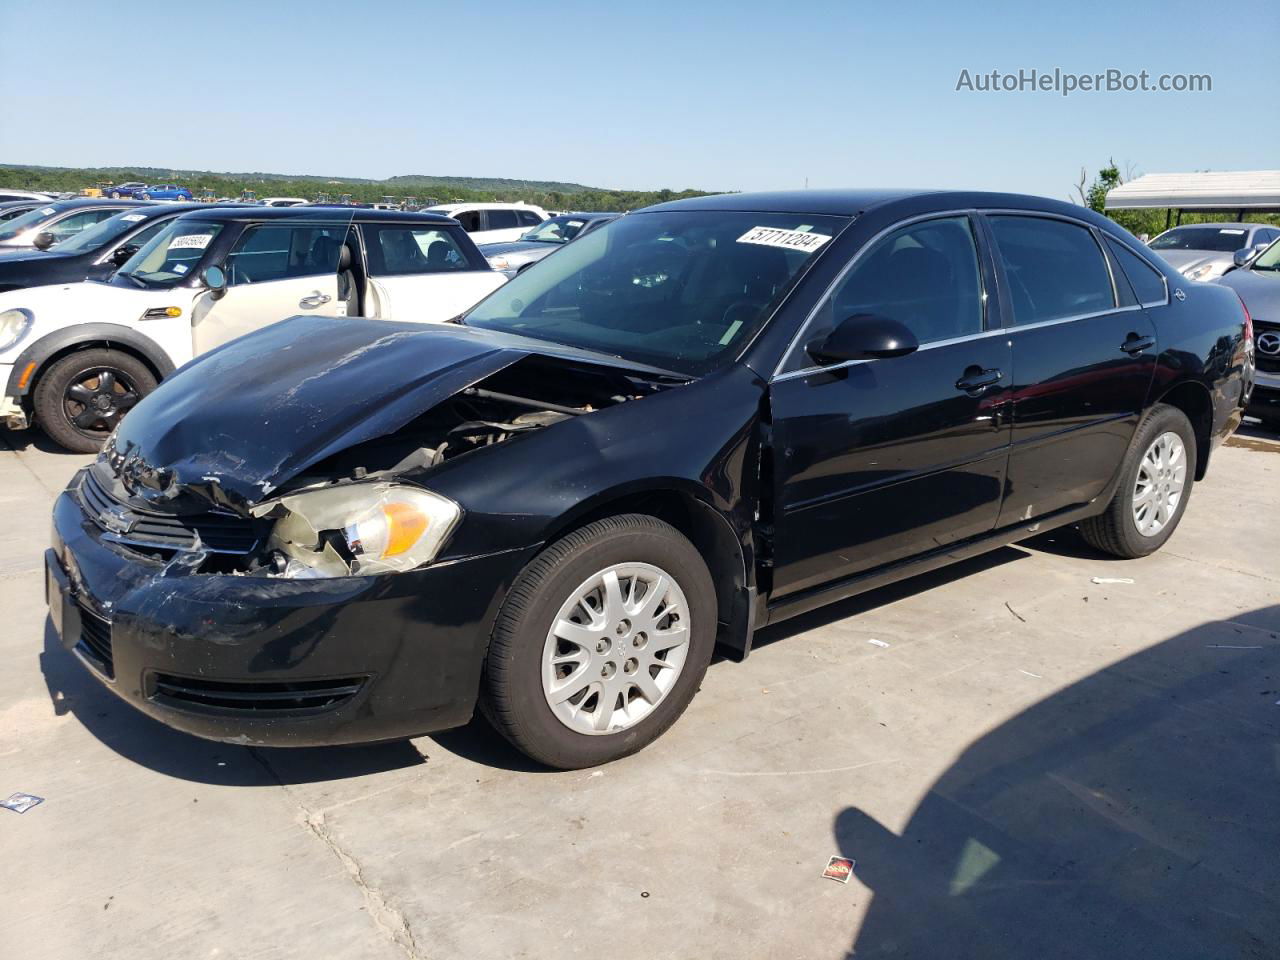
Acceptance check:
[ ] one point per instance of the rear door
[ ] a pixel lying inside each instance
(1083, 357)
(274, 270)
(422, 273)
(879, 460)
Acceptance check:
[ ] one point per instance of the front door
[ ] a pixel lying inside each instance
(274, 271)
(879, 460)
(1083, 358)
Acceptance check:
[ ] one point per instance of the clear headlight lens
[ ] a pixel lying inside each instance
(499, 263)
(14, 325)
(1200, 272)
(360, 529)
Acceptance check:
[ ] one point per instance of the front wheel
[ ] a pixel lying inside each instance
(1155, 484)
(80, 398)
(601, 643)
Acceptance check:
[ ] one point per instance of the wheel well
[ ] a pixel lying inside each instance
(71, 348)
(706, 530)
(1193, 400)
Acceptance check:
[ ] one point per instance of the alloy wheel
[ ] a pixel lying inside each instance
(616, 648)
(1162, 475)
(97, 398)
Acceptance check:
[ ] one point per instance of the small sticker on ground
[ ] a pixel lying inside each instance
(21, 802)
(839, 869)
(786, 239)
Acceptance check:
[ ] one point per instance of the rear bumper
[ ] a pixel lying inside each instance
(276, 662)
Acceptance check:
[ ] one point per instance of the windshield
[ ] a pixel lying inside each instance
(1217, 239)
(25, 222)
(1269, 259)
(100, 234)
(171, 254)
(674, 289)
(556, 230)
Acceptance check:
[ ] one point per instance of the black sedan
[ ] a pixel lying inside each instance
(544, 239)
(93, 254)
(713, 415)
(9, 209)
(43, 226)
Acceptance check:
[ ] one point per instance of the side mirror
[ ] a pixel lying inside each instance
(216, 280)
(1241, 257)
(122, 254)
(44, 240)
(864, 336)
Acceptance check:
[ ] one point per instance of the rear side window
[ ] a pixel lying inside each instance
(925, 276)
(267, 253)
(1054, 268)
(407, 250)
(469, 219)
(1148, 283)
(502, 219)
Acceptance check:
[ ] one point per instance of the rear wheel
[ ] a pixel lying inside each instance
(1155, 484)
(601, 643)
(80, 398)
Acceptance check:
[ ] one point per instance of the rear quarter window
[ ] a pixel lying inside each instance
(1148, 283)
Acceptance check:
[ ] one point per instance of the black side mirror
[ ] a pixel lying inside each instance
(864, 336)
(44, 240)
(122, 254)
(216, 280)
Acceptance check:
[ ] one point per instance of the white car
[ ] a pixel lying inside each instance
(75, 357)
(7, 194)
(283, 202)
(493, 222)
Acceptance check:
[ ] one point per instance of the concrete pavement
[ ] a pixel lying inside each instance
(1035, 765)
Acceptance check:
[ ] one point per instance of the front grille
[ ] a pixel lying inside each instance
(95, 642)
(167, 532)
(1267, 362)
(253, 696)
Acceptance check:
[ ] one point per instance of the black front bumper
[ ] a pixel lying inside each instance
(277, 662)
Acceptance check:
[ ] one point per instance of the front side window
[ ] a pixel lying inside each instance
(470, 220)
(682, 290)
(502, 220)
(68, 227)
(556, 230)
(32, 218)
(171, 256)
(267, 253)
(1148, 282)
(101, 233)
(1055, 269)
(924, 275)
(399, 250)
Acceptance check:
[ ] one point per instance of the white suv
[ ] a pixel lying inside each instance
(493, 222)
(74, 358)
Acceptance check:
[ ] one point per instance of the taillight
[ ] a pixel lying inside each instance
(1248, 320)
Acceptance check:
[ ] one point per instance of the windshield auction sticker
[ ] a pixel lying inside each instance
(192, 241)
(786, 239)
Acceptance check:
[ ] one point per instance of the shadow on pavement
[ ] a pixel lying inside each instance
(1135, 813)
(32, 439)
(150, 743)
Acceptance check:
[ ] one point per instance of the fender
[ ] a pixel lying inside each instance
(111, 334)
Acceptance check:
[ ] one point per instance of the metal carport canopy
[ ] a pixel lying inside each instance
(1227, 190)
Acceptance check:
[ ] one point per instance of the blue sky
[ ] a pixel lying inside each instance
(712, 95)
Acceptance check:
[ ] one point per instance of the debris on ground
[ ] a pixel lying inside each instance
(1111, 580)
(877, 643)
(21, 802)
(839, 869)
(1014, 612)
(1030, 674)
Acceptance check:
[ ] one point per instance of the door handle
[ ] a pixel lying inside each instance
(316, 299)
(1135, 344)
(975, 380)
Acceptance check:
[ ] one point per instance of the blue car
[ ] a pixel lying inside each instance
(165, 191)
(129, 190)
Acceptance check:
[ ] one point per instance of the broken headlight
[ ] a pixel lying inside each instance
(358, 530)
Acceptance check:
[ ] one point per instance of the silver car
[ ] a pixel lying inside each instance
(1202, 251)
(1258, 285)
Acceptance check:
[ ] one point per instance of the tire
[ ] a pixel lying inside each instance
(55, 407)
(144, 196)
(115, 195)
(517, 677)
(1116, 529)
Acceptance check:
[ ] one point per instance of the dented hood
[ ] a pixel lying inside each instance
(239, 421)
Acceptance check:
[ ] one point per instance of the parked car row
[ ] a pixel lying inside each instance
(691, 422)
(137, 190)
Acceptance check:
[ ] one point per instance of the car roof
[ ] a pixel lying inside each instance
(582, 215)
(851, 203)
(313, 211)
(1223, 225)
(483, 205)
(76, 202)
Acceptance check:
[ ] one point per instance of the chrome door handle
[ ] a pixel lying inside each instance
(316, 299)
(975, 380)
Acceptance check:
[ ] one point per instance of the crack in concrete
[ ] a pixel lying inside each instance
(381, 910)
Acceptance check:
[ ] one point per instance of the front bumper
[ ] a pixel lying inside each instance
(276, 662)
(12, 415)
(1265, 399)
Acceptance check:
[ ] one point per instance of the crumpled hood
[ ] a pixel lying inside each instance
(237, 422)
